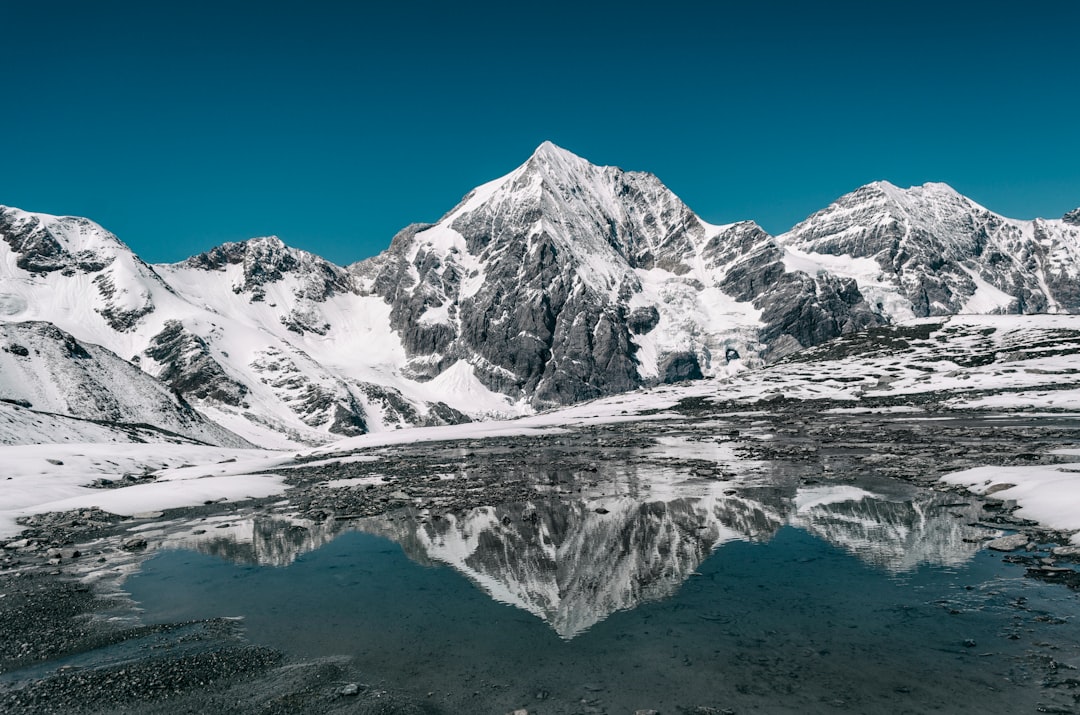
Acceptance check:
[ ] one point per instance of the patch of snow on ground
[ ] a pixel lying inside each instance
(1047, 494)
(33, 485)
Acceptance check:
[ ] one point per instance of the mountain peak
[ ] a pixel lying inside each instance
(550, 151)
(554, 160)
(927, 190)
(1072, 217)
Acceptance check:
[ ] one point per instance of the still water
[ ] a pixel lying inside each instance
(817, 599)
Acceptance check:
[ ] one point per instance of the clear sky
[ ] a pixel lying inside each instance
(180, 125)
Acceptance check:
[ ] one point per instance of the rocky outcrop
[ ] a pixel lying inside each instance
(266, 260)
(189, 368)
(38, 250)
(47, 370)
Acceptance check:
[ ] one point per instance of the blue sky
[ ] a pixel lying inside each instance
(332, 124)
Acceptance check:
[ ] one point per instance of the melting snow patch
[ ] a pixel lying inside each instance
(1048, 494)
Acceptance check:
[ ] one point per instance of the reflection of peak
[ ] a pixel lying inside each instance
(564, 562)
(573, 567)
(894, 535)
(263, 540)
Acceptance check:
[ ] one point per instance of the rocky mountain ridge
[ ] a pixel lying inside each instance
(559, 282)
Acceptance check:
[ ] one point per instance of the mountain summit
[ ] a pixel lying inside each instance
(564, 281)
(558, 282)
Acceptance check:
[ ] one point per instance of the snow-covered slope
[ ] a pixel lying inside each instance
(230, 330)
(927, 250)
(43, 369)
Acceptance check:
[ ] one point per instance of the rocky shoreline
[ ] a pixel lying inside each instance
(52, 607)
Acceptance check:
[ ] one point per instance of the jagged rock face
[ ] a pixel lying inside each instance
(268, 260)
(797, 310)
(188, 367)
(538, 280)
(47, 370)
(263, 261)
(318, 403)
(519, 278)
(944, 253)
(1073, 217)
(38, 249)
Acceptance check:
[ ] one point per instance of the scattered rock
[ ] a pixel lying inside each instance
(350, 689)
(57, 462)
(133, 543)
(1066, 551)
(1008, 543)
(601, 510)
(998, 488)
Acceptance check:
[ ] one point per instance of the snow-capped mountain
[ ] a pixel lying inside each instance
(563, 281)
(265, 340)
(559, 282)
(928, 250)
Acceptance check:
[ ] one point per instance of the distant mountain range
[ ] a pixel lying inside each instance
(559, 282)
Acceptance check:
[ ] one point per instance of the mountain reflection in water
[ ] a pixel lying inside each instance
(573, 562)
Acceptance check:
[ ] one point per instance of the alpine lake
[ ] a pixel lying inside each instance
(745, 562)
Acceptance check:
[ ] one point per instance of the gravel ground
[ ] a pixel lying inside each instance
(59, 654)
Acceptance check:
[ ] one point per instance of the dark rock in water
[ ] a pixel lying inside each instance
(350, 689)
(1008, 543)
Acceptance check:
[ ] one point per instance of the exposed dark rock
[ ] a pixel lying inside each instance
(268, 260)
(643, 320)
(679, 367)
(798, 310)
(1072, 217)
(40, 252)
(190, 369)
(120, 319)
